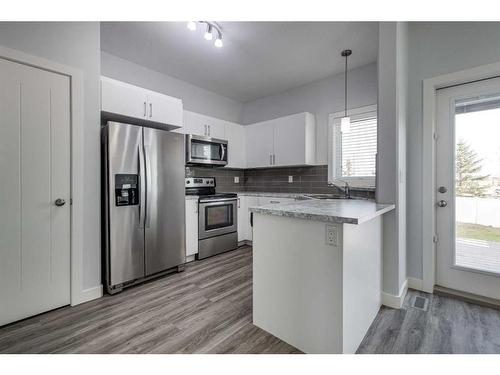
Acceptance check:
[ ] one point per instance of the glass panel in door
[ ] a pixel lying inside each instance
(477, 184)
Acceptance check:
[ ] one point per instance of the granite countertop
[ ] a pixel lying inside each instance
(340, 211)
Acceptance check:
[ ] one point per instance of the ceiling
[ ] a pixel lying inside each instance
(258, 58)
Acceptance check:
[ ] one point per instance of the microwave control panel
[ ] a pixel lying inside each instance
(126, 189)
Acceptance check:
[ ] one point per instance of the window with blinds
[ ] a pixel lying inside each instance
(353, 153)
(357, 148)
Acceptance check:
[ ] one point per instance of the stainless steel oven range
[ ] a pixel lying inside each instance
(217, 217)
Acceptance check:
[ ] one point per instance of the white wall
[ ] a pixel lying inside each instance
(320, 98)
(78, 45)
(194, 98)
(391, 163)
(435, 49)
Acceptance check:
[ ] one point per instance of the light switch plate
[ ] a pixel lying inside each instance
(236, 180)
(290, 179)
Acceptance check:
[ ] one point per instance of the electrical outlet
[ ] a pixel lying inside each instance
(236, 180)
(290, 179)
(331, 235)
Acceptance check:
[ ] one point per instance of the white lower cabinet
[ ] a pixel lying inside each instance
(242, 218)
(273, 200)
(191, 227)
(245, 230)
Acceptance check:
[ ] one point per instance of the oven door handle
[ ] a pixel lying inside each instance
(218, 200)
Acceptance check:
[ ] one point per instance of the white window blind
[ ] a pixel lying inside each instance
(357, 149)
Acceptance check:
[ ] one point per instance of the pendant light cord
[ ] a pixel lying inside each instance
(345, 87)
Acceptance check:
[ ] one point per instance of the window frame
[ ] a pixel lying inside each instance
(333, 162)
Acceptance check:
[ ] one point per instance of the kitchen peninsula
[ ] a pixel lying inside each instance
(317, 271)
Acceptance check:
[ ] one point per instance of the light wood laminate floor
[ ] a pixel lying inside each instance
(449, 326)
(208, 309)
(205, 309)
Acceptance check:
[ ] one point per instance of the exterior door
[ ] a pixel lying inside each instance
(468, 188)
(165, 245)
(34, 191)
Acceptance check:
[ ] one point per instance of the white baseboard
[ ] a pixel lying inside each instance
(88, 295)
(417, 284)
(396, 302)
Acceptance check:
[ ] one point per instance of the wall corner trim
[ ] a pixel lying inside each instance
(416, 284)
(393, 301)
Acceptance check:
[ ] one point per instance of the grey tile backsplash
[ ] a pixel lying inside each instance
(312, 180)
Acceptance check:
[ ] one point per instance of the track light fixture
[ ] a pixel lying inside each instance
(211, 28)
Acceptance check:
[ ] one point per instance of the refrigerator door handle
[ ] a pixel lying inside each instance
(147, 220)
(142, 186)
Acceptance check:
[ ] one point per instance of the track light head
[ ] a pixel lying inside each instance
(208, 34)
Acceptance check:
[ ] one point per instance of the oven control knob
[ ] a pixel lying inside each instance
(188, 182)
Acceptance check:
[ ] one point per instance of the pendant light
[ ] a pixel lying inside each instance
(345, 122)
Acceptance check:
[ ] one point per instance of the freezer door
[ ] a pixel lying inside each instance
(165, 200)
(124, 201)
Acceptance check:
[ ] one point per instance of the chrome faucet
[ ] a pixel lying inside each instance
(346, 189)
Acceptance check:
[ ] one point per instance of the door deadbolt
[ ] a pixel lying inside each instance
(60, 202)
(442, 203)
(442, 189)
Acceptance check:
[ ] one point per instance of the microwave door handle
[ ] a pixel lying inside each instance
(142, 186)
(223, 152)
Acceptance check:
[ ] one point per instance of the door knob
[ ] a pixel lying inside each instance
(442, 189)
(60, 202)
(442, 203)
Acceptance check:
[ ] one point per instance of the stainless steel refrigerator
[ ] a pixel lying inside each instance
(144, 203)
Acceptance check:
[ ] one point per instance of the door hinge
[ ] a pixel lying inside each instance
(435, 136)
(435, 238)
(70, 201)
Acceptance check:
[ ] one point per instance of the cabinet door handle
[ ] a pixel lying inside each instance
(206, 131)
(274, 159)
(209, 130)
(238, 202)
(274, 202)
(270, 159)
(196, 208)
(150, 110)
(145, 109)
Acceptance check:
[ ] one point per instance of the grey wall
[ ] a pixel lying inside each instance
(74, 44)
(320, 98)
(391, 163)
(193, 97)
(435, 49)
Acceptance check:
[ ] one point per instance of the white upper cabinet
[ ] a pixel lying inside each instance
(235, 135)
(294, 140)
(285, 141)
(203, 125)
(164, 109)
(123, 99)
(126, 101)
(260, 144)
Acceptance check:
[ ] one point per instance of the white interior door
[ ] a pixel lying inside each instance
(468, 188)
(35, 172)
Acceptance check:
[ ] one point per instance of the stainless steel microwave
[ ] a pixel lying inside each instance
(205, 150)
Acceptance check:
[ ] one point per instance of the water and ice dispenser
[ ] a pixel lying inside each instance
(126, 189)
